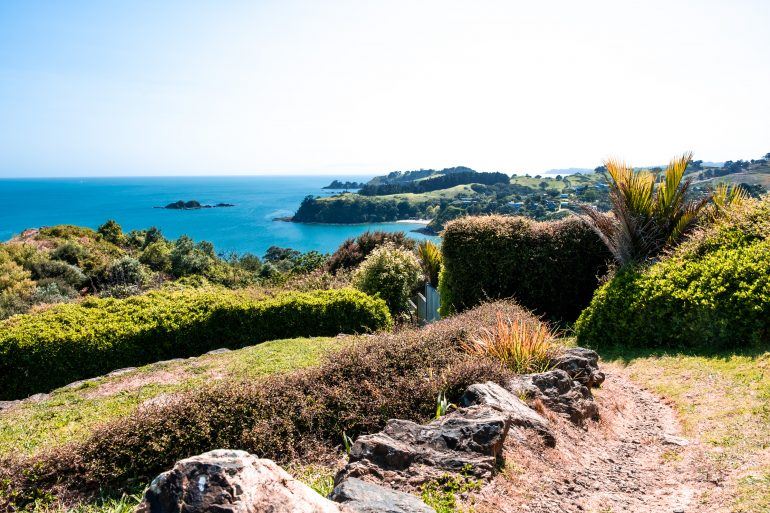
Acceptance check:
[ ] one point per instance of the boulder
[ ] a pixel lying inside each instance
(406, 454)
(363, 497)
(519, 414)
(559, 393)
(228, 481)
(581, 364)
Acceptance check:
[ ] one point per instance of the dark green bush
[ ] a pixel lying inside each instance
(551, 268)
(295, 417)
(42, 351)
(712, 293)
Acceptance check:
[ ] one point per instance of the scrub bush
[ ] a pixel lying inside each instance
(390, 273)
(711, 293)
(39, 352)
(297, 417)
(551, 267)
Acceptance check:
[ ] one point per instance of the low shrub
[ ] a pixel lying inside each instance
(68, 342)
(712, 292)
(522, 345)
(551, 268)
(353, 251)
(390, 273)
(299, 417)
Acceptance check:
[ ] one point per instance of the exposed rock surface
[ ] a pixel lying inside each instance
(582, 365)
(406, 454)
(229, 481)
(559, 393)
(363, 497)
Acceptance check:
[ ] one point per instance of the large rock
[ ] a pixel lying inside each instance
(519, 414)
(582, 365)
(559, 393)
(227, 481)
(406, 454)
(363, 497)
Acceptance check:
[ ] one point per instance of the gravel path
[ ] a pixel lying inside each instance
(633, 460)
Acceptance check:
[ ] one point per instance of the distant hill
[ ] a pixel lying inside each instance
(421, 174)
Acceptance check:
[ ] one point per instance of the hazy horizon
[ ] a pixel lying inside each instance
(345, 88)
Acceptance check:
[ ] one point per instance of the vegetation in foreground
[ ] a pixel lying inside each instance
(71, 413)
(39, 352)
(298, 417)
(713, 292)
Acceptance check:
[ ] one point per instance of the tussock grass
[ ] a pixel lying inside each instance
(521, 344)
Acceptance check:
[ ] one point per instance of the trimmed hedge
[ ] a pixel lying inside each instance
(712, 293)
(551, 268)
(39, 352)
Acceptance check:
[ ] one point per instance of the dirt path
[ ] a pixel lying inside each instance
(633, 460)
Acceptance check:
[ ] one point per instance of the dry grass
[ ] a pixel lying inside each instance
(522, 345)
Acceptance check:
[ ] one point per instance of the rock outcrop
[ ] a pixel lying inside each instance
(229, 481)
(407, 455)
(559, 393)
(363, 497)
(582, 365)
(519, 414)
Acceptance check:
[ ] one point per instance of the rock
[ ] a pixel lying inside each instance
(228, 481)
(674, 440)
(120, 372)
(221, 350)
(582, 365)
(406, 454)
(559, 393)
(519, 414)
(363, 497)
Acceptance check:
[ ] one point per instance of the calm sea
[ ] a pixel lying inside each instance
(246, 227)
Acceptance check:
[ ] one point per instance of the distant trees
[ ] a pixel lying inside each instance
(434, 184)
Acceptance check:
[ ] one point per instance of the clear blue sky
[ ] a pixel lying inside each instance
(192, 87)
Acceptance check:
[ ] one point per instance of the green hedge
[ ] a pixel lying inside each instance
(712, 293)
(551, 268)
(39, 352)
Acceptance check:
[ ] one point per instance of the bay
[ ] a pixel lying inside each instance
(249, 226)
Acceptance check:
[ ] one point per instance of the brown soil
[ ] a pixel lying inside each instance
(633, 460)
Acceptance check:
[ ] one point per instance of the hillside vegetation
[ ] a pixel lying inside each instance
(39, 352)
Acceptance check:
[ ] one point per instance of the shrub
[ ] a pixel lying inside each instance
(523, 345)
(552, 268)
(39, 352)
(59, 271)
(126, 271)
(70, 252)
(353, 251)
(112, 232)
(390, 273)
(713, 292)
(292, 417)
(157, 256)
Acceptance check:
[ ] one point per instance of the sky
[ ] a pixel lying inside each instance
(107, 88)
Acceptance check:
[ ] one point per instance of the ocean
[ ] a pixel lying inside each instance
(246, 227)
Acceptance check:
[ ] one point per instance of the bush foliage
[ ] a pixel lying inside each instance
(68, 342)
(354, 250)
(300, 416)
(390, 273)
(551, 268)
(713, 292)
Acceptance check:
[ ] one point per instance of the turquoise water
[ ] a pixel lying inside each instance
(246, 227)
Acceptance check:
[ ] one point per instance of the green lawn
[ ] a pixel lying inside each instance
(724, 402)
(70, 414)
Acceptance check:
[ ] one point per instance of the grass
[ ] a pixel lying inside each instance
(71, 413)
(723, 401)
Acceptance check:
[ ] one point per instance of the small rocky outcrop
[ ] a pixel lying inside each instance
(229, 481)
(363, 497)
(558, 392)
(519, 414)
(582, 365)
(406, 454)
